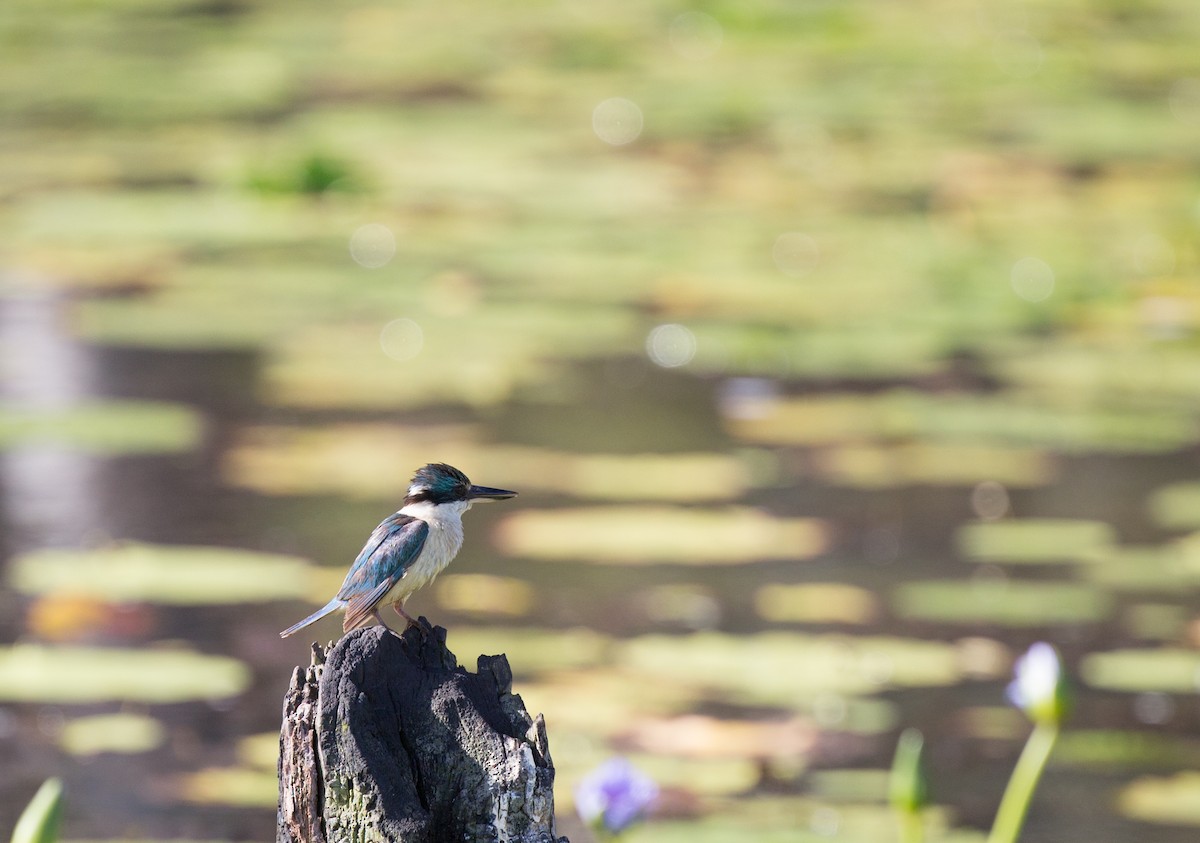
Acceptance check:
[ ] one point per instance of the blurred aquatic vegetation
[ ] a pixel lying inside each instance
(345, 459)
(965, 235)
(816, 603)
(122, 732)
(37, 673)
(1167, 669)
(744, 668)
(1002, 601)
(1170, 800)
(174, 575)
(40, 820)
(314, 174)
(109, 427)
(1035, 540)
(659, 534)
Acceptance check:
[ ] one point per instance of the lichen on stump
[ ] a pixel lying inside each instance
(386, 738)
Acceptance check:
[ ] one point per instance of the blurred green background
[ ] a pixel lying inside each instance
(839, 350)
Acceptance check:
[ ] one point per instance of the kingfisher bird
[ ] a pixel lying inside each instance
(408, 549)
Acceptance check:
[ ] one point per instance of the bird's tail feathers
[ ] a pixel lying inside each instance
(332, 606)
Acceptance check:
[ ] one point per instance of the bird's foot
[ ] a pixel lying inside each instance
(409, 620)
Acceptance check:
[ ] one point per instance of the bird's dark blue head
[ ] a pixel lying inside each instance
(440, 483)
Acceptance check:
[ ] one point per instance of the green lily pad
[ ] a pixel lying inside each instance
(1176, 507)
(530, 650)
(1158, 569)
(793, 820)
(1035, 540)
(484, 595)
(816, 603)
(822, 669)
(239, 786)
(124, 733)
(654, 534)
(1170, 800)
(163, 574)
(344, 459)
(1004, 602)
(112, 427)
(1117, 750)
(934, 464)
(1169, 670)
(35, 673)
(992, 421)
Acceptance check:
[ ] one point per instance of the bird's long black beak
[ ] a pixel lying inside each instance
(486, 493)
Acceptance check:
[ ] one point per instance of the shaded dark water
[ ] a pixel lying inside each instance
(880, 539)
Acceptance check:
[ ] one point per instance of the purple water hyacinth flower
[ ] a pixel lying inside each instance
(614, 796)
(1039, 688)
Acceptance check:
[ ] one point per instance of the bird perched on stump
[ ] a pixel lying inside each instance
(408, 548)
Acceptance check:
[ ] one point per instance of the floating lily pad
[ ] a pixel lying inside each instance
(240, 786)
(792, 820)
(816, 603)
(124, 733)
(485, 594)
(1171, 800)
(1177, 507)
(163, 574)
(597, 701)
(1004, 602)
(261, 750)
(1160, 569)
(1169, 670)
(113, 427)
(1113, 749)
(477, 358)
(822, 669)
(627, 535)
(33, 673)
(345, 459)
(530, 650)
(934, 463)
(991, 420)
(1035, 540)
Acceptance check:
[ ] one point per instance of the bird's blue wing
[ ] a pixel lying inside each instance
(393, 546)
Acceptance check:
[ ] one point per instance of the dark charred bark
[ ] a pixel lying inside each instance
(386, 738)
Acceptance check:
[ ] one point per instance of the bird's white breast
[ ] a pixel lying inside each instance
(442, 544)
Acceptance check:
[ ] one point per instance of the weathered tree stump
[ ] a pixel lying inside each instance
(386, 738)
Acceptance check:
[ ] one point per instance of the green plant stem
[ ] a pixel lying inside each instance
(912, 830)
(1010, 817)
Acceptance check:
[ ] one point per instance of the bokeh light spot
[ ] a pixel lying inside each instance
(990, 500)
(401, 339)
(695, 35)
(1153, 707)
(1032, 279)
(372, 245)
(671, 346)
(796, 253)
(617, 121)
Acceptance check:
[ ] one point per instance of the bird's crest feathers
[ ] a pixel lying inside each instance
(438, 483)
